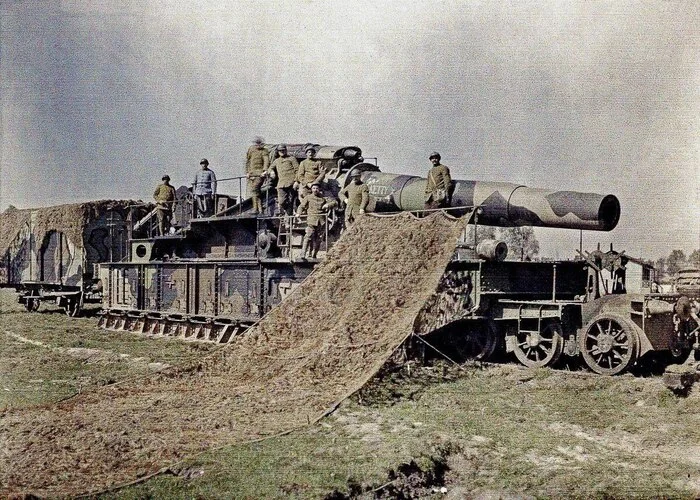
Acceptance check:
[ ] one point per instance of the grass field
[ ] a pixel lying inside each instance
(475, 430)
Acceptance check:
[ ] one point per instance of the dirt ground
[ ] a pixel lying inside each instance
(330, 337)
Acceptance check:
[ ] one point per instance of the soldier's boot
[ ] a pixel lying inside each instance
(304, 247)
(316, 244)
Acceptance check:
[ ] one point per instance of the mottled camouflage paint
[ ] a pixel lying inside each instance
(232, 290)
(502, 203)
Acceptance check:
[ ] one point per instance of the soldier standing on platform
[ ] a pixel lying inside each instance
(315, 207)
(257, 163)
(165, 198)
(355, 196)
(310, 171)
(204, 189)
(285, 169)
(439, 186)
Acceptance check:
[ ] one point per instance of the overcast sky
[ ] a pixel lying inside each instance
(101, 98)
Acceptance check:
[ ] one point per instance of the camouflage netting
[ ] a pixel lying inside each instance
(71, 219)
(321, 345)
(11, 222)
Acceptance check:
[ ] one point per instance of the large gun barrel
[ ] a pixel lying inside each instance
(502, 204)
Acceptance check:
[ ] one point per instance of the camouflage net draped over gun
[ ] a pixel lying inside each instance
(318, 347)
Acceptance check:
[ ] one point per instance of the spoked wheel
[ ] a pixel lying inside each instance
(476, 340)
(610, 344)
(32, 305)
(538, 349)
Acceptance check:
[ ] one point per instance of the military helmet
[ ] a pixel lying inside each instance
(282, 147)
(434, 154)
(355, 173)
(204, 161)
(310, 148)
(258, 140)
(165, 178)
(316, 184)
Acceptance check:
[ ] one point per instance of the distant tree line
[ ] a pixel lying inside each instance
(677, 260)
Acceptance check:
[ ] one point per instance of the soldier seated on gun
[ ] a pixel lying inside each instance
(310, 171)
(204, 189)
(355, 196)
(165, 198)
(257, 163)
(284, 169)
(439, 185)
(315, 207)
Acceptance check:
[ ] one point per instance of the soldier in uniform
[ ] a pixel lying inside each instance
(439, 186)
(285, 169)
(165, 198)
(355, 196)
(310, 171)
(204, 189)
(257, 163)
(314, 206)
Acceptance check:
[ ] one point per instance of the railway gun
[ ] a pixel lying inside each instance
(211, 278)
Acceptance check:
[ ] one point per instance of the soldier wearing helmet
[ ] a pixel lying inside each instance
(257, 163)
(204, 189)
(355, 196)
(315, 206)
(310, 171)
(438, 189)
(165, 198)
(284, 169)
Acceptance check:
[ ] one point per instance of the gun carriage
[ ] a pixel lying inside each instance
(212, 278)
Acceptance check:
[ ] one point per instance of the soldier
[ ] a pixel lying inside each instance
(439, 185)
(310, 171)
(355, 196)
(314, 206)
(257, 163)
(285, 169)
(204, 189)
(165, 198)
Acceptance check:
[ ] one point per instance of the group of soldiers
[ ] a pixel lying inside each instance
(203, 190)
(304, 182)
(295, 181)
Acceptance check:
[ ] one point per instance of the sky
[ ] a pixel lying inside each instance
(99, 99)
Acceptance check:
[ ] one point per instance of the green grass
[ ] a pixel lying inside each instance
(555, 435)
(502, 428)
(46, 356)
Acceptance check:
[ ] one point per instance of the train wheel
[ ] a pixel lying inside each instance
(72, 308)
(538, 349)
(479, 341)
(609, 345)
(32, 305)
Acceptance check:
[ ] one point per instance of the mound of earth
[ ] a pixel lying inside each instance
(323, 343)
